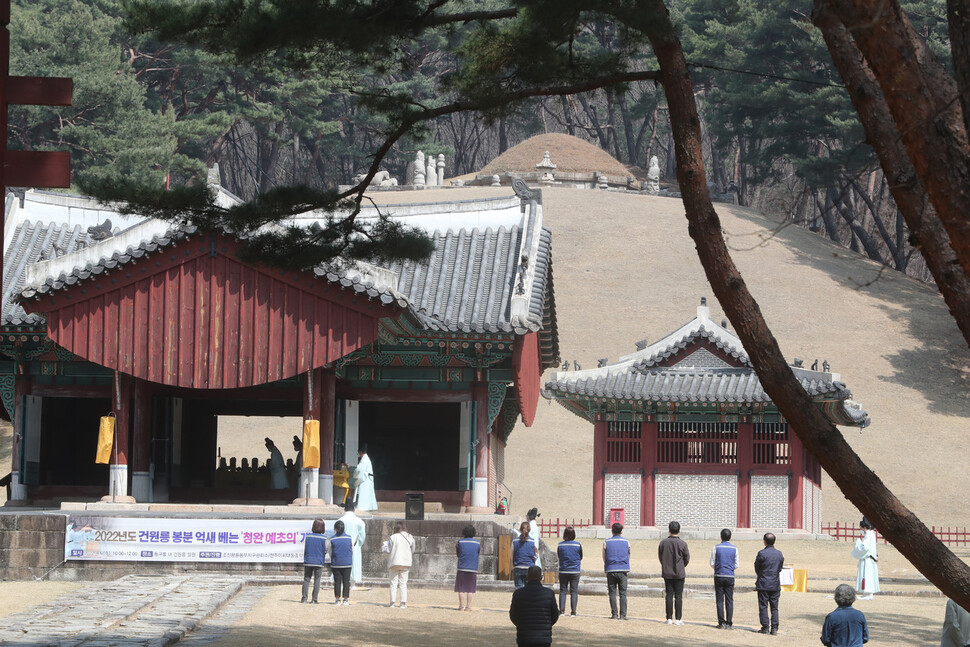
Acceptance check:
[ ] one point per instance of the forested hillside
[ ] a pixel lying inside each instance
(779, 129)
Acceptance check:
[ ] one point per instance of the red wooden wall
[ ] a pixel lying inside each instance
(526, 375)
(190, 318)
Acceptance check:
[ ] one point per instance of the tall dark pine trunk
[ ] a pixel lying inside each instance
(909, 192)
(898, 524)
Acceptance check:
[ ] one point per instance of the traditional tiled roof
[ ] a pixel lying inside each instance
(734, 385)
(699, 378)
(477, 280)
(32, 242)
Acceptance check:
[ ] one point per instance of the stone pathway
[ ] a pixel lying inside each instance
(142, 610)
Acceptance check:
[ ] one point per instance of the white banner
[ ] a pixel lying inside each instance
(186, 540)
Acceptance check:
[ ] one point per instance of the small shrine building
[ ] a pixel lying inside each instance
(683, 430)
(430, 364)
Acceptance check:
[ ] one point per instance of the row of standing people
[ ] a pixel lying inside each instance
(674, 556)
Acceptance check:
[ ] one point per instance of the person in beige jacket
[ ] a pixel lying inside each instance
(399, 549)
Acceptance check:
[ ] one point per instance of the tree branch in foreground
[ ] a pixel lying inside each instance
(897, 523)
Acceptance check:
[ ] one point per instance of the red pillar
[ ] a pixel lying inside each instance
(22, 388)
(648, 497)
(599, 464)
(745, 464)
(327, 398)
(481, 429)
(121, 405)
(479, 493)
(796, 483)
(141, 441)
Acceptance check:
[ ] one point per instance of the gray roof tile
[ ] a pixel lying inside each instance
(472, 282)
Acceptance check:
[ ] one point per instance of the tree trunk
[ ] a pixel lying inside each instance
(924, 102)
(926, 230)
(503, 137)
(899, 525)
(567, 115)
(595, 121)
(958, 20)
(631, 146)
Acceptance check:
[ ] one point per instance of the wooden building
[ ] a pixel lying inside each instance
(683, 430)
(429, 364)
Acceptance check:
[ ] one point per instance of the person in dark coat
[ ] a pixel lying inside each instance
(845, 627)
(533, 611)
(767, 566)
(674, 557)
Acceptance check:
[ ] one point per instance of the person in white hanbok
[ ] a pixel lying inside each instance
(867, 577)
(355, 527)
(364, 497)
(277, 468)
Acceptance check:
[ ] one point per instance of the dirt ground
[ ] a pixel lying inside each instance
(432, 620)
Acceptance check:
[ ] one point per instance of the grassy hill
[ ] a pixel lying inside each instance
(625, 269)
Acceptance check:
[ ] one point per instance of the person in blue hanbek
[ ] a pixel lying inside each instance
(357, 530)
(570, 554)
(616, 563)
(469, 551)
(341, 561)
(523, 555)
(845, 627)
(315, 549)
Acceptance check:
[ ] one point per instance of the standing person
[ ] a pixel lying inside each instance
(523, 555)
(767, 566)
(845, 627)
(315, 549)
(341, 561)
(400, 549)
(468, 550)
(534, 530)
(298, 462)
(533, 611)
(674, 558)
(724, 560)
(616, 563)
(358, 533)
(364, 495)
(867, 576)
(570, 554)
(277, 468)
(956, 626)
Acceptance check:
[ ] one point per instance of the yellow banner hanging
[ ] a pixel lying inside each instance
(311, 444)
(106, 437)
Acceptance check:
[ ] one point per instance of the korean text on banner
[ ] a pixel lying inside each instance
(105, 439)
(311, 444)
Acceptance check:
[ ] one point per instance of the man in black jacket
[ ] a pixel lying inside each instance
(533, 611)
(767, 566)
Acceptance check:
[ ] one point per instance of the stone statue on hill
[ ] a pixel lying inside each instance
(652, 185)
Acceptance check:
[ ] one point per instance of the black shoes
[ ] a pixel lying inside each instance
(763, 630)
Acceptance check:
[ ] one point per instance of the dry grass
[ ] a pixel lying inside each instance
(569, 154)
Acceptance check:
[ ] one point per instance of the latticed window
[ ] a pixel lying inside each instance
(771, 445)
(697, 442)
(623, 442)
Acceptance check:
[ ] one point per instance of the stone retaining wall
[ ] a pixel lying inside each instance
(32, 546)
